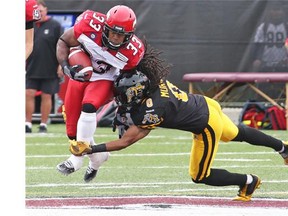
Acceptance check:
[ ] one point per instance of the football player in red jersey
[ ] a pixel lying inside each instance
(32, 15)
(113, 47)
(148, 100)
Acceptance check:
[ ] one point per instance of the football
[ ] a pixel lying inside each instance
(78, 57)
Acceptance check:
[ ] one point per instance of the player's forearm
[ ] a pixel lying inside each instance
(132, 135)
(110, 146)
(62, 52)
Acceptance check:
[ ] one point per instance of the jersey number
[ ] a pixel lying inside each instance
(132, 47)
(179, 94)
(97, 27)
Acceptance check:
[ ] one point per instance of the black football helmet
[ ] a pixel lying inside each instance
(131, 88)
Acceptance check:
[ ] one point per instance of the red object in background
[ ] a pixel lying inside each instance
(62, 91)
(38, 93)
(286, 44)
(277, 118)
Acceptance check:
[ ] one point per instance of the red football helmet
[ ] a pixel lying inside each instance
(122, 20)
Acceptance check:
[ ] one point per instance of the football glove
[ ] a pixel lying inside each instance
(72, 72)
(121, 127)
(79, 148)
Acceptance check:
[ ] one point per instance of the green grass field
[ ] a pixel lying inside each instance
(157, 165)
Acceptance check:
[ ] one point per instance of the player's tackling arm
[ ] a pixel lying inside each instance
(132, 135)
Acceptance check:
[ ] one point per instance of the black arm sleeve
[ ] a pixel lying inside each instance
(29, 25)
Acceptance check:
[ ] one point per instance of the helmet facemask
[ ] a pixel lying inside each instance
(118, 30)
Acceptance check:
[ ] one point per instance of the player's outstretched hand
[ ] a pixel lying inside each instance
(79, 148)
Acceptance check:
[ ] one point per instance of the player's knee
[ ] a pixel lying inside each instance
(89, 108)
(241, 133)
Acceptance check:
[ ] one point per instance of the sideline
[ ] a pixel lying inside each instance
(154, 205)
(174, 210)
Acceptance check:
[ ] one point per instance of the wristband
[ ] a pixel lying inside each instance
(99, 148)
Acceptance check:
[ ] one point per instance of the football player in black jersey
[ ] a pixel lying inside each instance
(147, 100)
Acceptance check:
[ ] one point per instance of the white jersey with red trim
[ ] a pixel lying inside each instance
(106, 63)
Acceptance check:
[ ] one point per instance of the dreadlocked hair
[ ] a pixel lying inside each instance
(152, 66)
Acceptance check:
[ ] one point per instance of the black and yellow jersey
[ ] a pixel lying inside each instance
(170, 107)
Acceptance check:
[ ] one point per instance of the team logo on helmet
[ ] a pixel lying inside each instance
(131, 88)
(119, 28)
(134, 91)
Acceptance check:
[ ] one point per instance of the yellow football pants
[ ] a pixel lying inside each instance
(205, 145)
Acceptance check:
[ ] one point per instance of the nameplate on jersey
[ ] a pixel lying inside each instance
(121, 57)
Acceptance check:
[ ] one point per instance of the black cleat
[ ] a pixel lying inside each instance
(245, 192)
(90, 174)
(28, 129)
(66, 167)
(284, 154)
